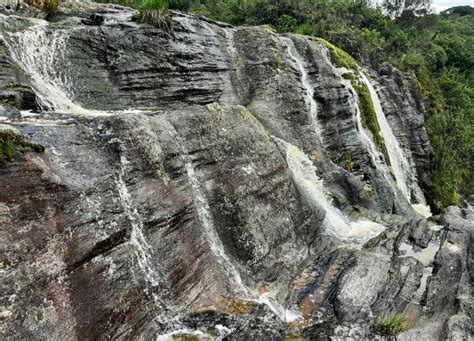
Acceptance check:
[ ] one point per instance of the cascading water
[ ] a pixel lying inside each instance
(41, 54)
(297, 62)
(215, 243)
(141, 247)
(217, 248)
(312, 189)
(404, 176)
(309, 184)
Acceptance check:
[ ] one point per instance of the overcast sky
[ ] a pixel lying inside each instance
(441, 5)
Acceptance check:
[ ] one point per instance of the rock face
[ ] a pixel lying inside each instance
(211, 182)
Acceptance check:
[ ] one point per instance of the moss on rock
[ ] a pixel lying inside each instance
(11, 142)
(368, 114)
(339, 57)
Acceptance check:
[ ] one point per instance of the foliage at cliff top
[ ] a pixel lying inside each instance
(436, 49)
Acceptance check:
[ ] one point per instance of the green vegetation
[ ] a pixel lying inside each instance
(47, 6)
(374, 242)
(367, 111)
(345, 161)
(339, 57)
(436, 50)
(155, 12)
(12, 142)
(392, 324)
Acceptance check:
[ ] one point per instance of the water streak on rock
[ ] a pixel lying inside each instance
(403, 171)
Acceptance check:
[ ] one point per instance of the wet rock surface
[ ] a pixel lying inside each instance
(168, 205)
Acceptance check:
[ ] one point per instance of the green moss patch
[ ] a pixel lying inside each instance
(368, 114)
(374, 242)
(339, 57)
(12, 142)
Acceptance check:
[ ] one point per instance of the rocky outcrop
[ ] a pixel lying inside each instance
(404, 108)
(186, 189)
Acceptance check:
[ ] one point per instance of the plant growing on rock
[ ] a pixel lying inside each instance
(48, 6)
(392, 324)
(11, 142)
(155, 12)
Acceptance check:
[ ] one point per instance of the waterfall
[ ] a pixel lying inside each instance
(217, 248)
(298, 63)
(141, 247)
(405, 176)
(316, 195)
(215, 242)
(205, 217)
(41, 54)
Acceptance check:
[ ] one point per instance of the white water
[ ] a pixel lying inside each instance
(141, 247)
(313, 190)
(285, 315)
(41, 54)
(404, 175)
(297, 62)
(217, 248)
(215, 242)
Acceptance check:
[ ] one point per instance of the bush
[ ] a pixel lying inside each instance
(392, 324)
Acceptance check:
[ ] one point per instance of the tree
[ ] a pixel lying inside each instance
(395, 8)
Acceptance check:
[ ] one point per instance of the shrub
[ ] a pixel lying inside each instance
(392, 324)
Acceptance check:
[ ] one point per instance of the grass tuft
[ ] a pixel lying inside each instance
(155, 12)
(393, 324)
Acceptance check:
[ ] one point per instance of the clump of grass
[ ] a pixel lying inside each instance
(393, 324)
(11, 142)
(155, 12)
(48, 6)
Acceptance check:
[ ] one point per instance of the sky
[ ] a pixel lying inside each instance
(441, 5)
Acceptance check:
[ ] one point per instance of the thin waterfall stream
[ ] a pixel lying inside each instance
(217, 248)
(141, 247)
(298, 63)
(308, 183)
(404, 174)
(336, 224)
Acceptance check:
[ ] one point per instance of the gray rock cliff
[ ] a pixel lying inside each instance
(213, 183)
